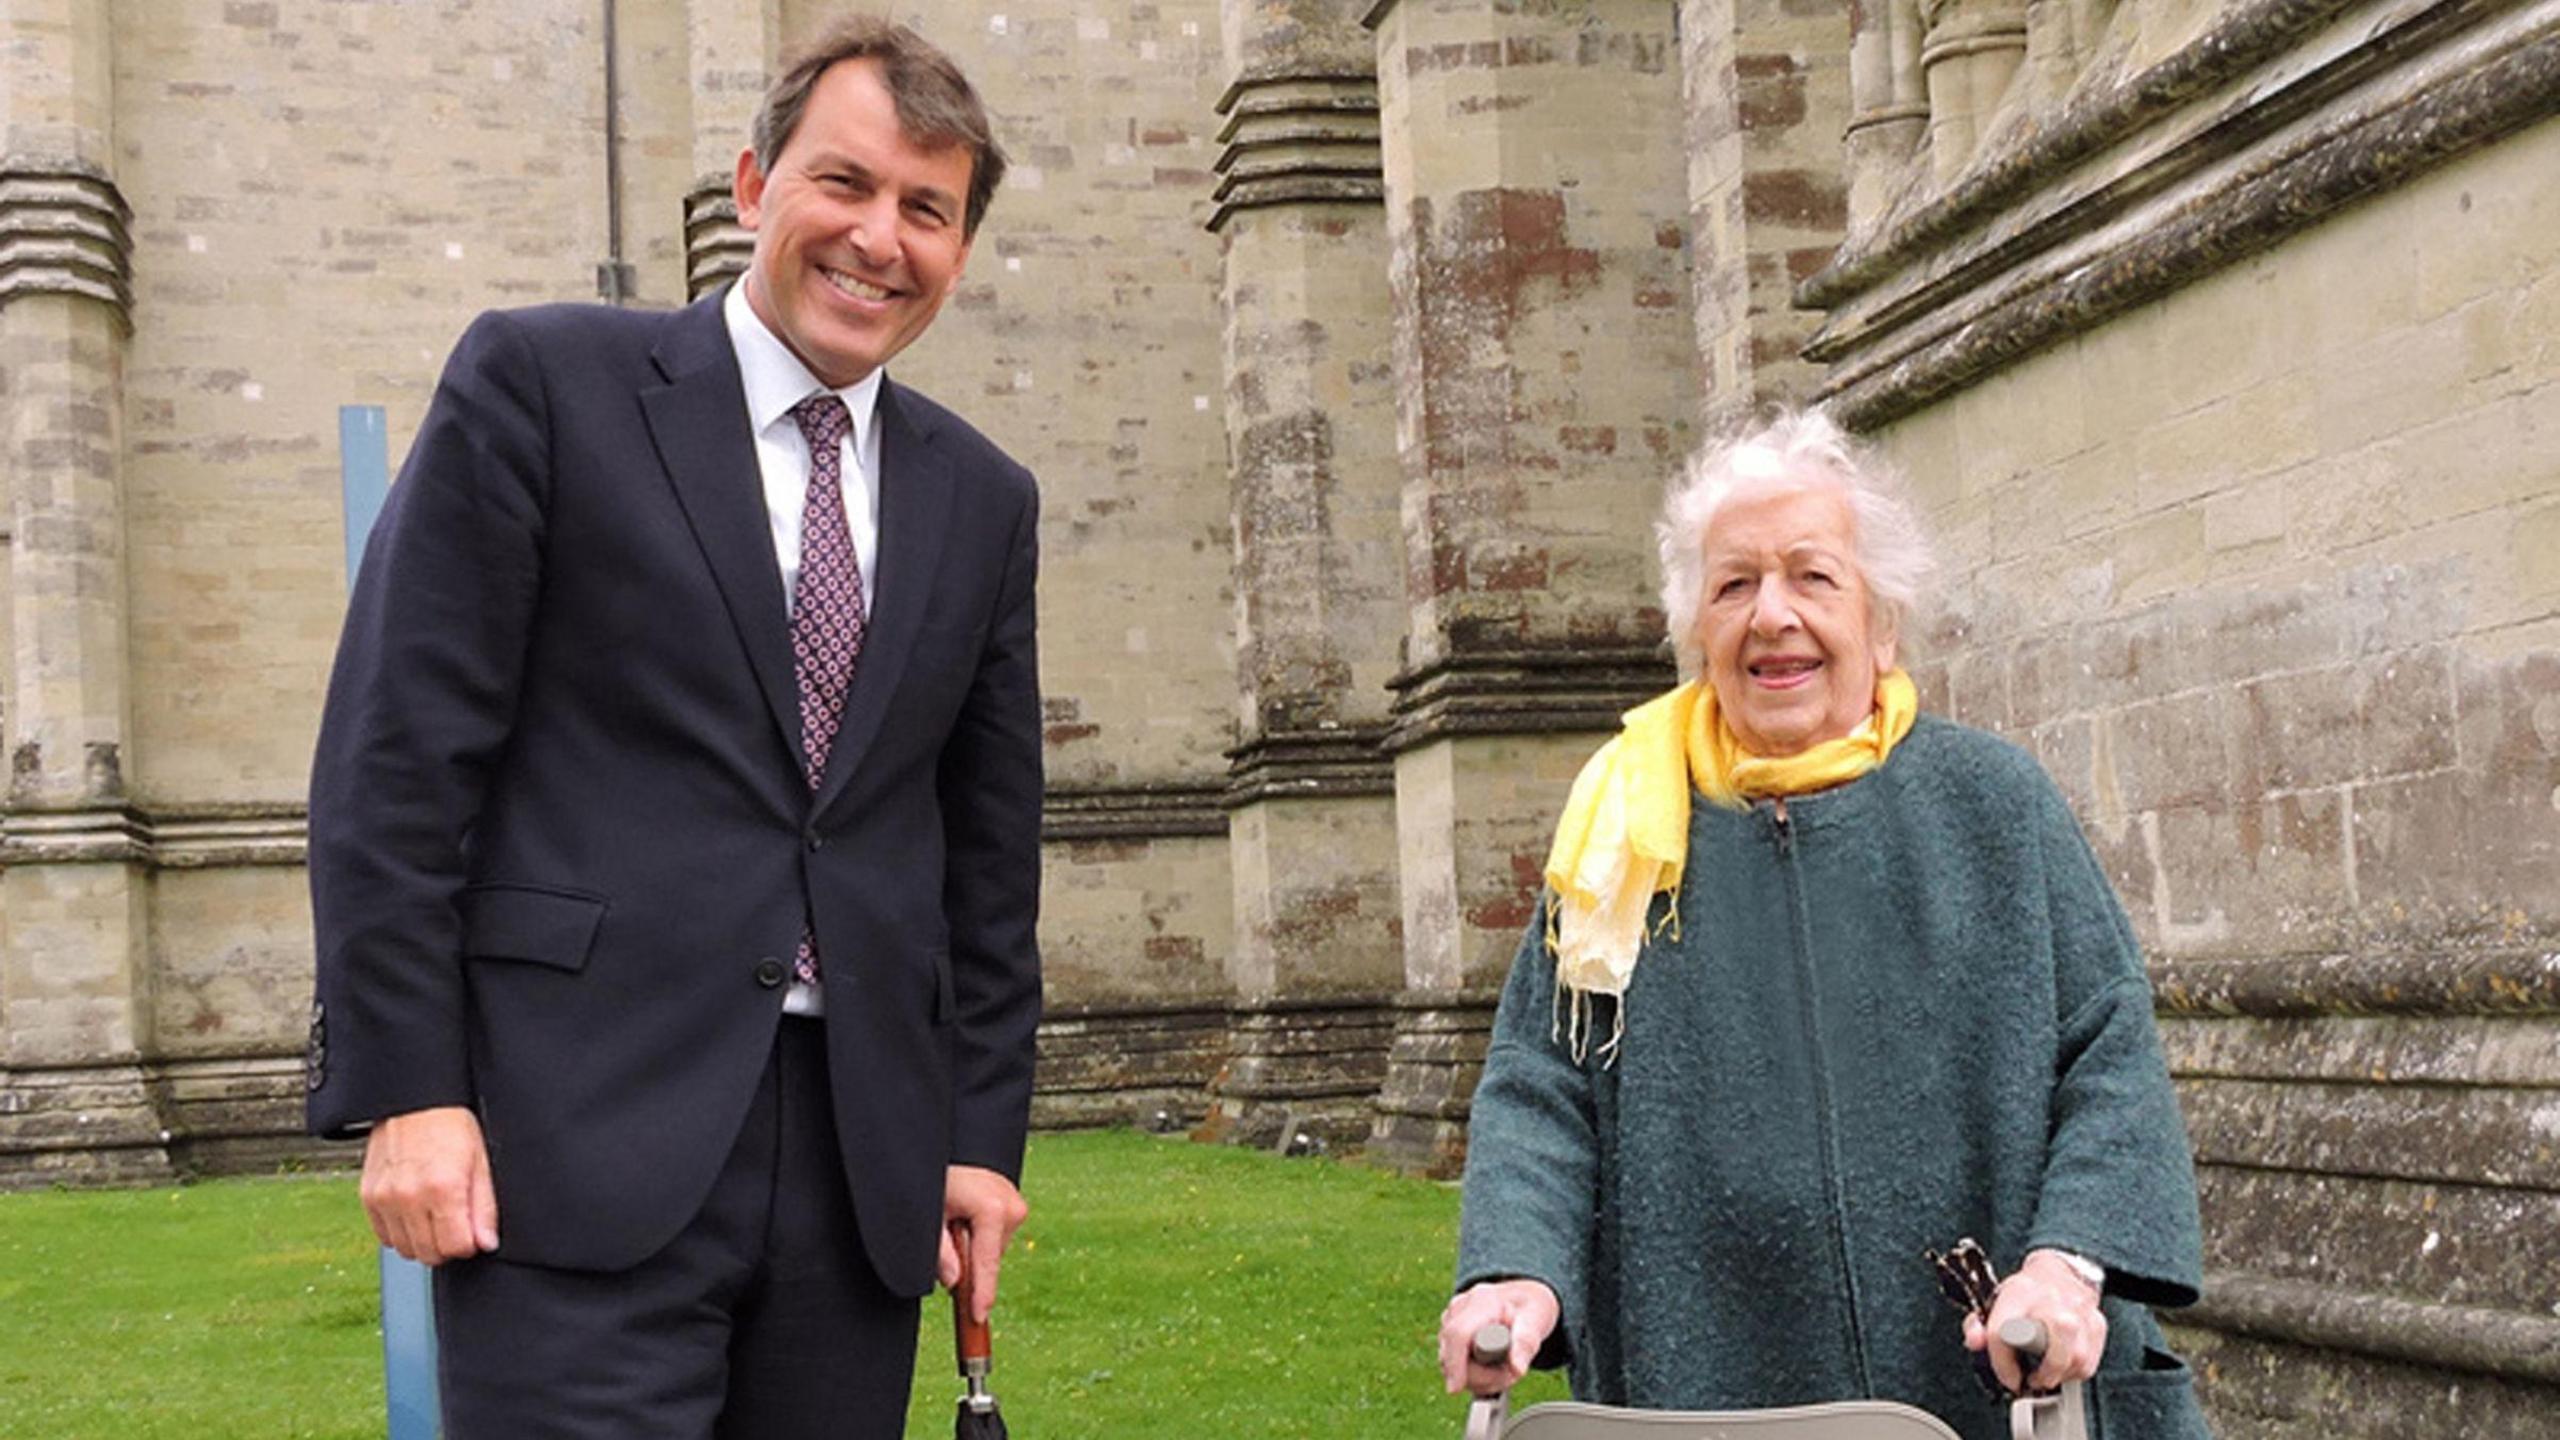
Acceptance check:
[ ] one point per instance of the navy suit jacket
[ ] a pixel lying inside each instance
(562, 845)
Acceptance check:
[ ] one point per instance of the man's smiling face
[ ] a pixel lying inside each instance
(858, 232)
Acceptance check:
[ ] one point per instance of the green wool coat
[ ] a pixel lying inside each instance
(1895, 1013)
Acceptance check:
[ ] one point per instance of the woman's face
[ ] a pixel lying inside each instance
(1785, 617)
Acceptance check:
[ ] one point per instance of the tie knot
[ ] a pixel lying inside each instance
(823, 418)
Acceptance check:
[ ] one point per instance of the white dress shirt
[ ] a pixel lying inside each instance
(775, 381)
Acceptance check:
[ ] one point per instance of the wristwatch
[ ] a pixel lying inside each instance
(2086, 1268)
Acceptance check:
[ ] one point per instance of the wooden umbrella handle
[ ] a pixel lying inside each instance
(971, 1338)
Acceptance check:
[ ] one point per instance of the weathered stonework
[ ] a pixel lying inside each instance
(1353, 345)
(1310, 422)
(1536, 225)
(1765, 88)
(2222, 360)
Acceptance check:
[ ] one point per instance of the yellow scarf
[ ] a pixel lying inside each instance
(1625, 829)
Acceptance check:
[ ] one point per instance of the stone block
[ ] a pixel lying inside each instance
(2169, 752)
(231, 967)
(1315, 898)
(1136, 919)
(2501, 200)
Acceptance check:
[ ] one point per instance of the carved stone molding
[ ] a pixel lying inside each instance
(1300, 1068)
(177, 838)
(89, 1124)
(2262, 128)
(1310, 764)
(214, 836)
(2510, 1344)
(2489, 982)
(1298, 139)
(1432, 1068)
(64, 230)
(1137, 811)
(716, 247)
(1529, 691)
(1142, 1063)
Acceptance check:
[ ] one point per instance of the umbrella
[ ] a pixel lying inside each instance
(977, 1419)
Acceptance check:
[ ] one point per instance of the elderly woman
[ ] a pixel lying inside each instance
(1821, 985)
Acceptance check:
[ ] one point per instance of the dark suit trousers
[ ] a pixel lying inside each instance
(762, 1320)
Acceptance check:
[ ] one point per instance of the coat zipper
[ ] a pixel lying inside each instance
(1833, 1207)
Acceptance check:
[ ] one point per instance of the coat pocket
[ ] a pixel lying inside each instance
(530, 923)
(2156, 1402)
(943, 1002)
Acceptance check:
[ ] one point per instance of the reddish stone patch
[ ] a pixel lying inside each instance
(1514, 572)
(1795, 197)
(1770, 92)
(1805, 263)
(1174, 949)
(1588, 439)
(1068, 734)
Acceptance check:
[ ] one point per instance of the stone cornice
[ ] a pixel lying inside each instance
(1298, 138)
(64, 230)
(176, 838)
(2510, 1344)
(1310, 764)
(1142, 810)
(2485, 982)
(1528, 691)
(201, 837)
(2245, 36)
(716, 246)
(2326, 126)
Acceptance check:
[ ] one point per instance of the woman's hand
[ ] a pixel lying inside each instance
(2048, 1290)
(1527, 1306)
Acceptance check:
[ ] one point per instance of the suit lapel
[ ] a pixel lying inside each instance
(915, 522)
(698, 421)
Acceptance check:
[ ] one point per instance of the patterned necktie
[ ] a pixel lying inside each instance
(827, 618)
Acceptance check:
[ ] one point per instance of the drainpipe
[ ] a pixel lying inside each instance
(614, 280)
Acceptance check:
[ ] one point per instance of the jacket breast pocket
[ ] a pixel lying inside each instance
(532, 924)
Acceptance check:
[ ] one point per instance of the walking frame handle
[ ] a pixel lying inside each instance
(1491, 1348)
(2062, 1415)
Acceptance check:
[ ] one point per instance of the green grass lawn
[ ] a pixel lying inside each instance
(1161, 1289)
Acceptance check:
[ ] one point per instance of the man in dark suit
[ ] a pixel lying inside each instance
(675, 820)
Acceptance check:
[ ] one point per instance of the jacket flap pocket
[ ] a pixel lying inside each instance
(2156, 1402)
(519, 922)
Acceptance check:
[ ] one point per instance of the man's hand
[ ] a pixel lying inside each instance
(983, 1205)
(426, 1185)
(2046, 1289)
(1527, 1306)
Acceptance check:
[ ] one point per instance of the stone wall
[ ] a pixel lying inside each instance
(1352, 343)
(219, 223)
(2226, 357)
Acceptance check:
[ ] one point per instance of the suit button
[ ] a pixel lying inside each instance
(768, 972)
(816, 840)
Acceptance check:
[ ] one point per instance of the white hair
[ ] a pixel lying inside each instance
(1803, 449)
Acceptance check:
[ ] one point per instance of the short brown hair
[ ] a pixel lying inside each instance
(936, 104)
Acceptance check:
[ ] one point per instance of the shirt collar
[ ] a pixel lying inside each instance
(774, 378)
